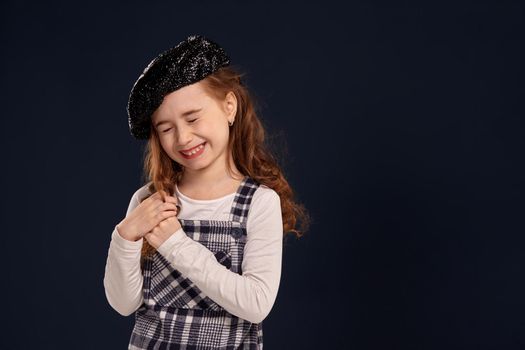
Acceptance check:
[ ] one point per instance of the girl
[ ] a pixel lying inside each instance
(198, 255)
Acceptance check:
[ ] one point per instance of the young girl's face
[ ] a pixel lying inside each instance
(189, 119)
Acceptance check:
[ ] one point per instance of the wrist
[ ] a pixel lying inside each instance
(173, 240)
(123, 232)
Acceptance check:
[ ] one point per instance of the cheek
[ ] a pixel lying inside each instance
(207, 130)
(218, 133)
(220, 128)
(165, 143)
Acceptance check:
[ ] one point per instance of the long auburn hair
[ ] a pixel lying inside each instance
(249, 150)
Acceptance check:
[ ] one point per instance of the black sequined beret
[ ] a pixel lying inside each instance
(188, 62)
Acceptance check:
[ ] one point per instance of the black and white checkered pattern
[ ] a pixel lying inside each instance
(176, 314)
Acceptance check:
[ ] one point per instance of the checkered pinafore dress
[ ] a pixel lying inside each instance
(176, 314)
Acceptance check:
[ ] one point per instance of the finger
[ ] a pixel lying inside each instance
(159, 205)
(155, 195)
(171, 199)
(165, 214)
(168, 206)
(156, 202)
(160, 195)
(163, 196)
(149, 199)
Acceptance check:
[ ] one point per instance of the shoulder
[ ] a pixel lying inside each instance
(141, 193)
(265, 211)
(265, 195)
(264, 200)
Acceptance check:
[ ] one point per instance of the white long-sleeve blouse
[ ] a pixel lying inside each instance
(249, 296)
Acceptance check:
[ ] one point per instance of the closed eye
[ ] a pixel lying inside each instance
(189, 121)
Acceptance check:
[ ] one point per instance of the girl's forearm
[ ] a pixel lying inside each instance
(123, 278)
(249, 296)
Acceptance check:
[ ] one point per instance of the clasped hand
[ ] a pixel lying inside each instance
(167, 226)
(155, 219)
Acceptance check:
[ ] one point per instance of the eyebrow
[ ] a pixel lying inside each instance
(184, 114)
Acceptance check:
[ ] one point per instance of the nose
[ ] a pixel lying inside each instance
(183, 136)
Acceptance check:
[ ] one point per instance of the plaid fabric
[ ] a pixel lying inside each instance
(176, 314)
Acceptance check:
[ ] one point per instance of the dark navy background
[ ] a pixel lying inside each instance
(400, 127)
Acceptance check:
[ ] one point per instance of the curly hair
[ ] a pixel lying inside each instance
(248, 147)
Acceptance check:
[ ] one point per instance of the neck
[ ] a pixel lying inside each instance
(210, 178)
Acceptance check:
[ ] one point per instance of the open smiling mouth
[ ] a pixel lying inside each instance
(197, 151)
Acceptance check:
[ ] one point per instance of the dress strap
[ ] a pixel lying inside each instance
(243, 199)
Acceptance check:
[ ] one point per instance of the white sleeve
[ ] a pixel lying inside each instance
(251, 295)
(123, 277)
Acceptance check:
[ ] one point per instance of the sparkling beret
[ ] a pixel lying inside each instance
(184, 64)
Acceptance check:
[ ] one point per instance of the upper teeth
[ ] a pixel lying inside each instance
(195, 150)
